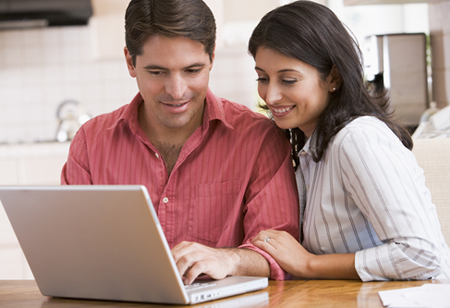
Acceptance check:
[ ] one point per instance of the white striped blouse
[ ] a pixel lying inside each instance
(367, 195)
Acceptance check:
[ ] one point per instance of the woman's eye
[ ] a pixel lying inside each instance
(289, 81)
(262, 80)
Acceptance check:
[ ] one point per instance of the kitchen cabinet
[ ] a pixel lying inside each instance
(439, 31)
(25, 164)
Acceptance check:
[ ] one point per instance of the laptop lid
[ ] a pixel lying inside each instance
(100, 242)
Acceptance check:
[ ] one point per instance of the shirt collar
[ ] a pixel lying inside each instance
(214, 110)
(130, 114)
(306, 148)
(309, 146)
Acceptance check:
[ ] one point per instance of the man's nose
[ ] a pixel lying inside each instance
(176, 86)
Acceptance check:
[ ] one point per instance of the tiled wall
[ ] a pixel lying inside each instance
(41, 68)
(439, 12)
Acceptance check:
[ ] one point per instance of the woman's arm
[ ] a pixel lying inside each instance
(294, 259)
(383, 179)
(385, 184)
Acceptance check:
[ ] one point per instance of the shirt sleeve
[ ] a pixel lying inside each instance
(271, 199)
(384, 180)
(76, 170)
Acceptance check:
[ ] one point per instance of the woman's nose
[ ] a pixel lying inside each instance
(273, 94)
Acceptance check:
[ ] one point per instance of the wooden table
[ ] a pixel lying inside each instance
(294, 293)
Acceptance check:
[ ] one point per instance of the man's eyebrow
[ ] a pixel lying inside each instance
(198, 64)
(156, 67)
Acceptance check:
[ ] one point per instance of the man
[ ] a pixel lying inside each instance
(216, 172)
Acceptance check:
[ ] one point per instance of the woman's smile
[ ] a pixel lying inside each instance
(281, 111)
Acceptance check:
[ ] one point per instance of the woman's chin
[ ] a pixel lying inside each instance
(284, 124)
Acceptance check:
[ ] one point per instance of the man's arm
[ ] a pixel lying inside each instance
(271, 202)
(193, 259)
(75, 171)
(272, 197)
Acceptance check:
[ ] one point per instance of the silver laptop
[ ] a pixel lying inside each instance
(104, 243)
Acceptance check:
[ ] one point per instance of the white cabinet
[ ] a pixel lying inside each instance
(27, 164)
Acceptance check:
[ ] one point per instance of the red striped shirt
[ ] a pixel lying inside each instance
(233, 177)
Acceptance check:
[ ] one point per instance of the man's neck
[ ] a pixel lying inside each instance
(168, 141)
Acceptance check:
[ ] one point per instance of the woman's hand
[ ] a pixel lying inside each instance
(297, 261)
(286, 250)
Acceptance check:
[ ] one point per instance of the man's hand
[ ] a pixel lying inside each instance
(194, 259)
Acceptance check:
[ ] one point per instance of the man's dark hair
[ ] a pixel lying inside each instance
(192, 19)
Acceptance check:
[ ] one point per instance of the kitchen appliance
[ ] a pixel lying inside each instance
(17, 14)
(71, 116)
(397, 63)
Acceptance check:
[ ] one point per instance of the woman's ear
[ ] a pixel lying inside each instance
(334, 79)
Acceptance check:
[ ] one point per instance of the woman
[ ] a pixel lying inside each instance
(365, 210)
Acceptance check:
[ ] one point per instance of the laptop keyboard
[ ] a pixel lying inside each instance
(199, 285)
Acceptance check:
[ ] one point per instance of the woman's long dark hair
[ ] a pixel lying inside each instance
(312, 33)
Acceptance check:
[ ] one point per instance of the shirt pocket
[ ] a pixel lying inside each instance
(210, 208)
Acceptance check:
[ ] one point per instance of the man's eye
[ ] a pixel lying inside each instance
(194, 70)
(156, 73)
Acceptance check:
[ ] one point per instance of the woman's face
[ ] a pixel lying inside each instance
(292, 89)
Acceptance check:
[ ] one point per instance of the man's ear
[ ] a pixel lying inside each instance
(129, 60)
(213, 56)
(334, 79)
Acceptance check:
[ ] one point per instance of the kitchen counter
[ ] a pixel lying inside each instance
(32, 163)
(37, 148)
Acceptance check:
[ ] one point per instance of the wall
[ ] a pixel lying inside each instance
(40, 68)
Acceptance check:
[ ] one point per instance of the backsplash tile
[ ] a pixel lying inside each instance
(41, 68)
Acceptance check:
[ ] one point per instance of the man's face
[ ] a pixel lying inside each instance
(172, 74)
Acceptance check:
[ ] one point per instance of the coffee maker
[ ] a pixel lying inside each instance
(397, 63)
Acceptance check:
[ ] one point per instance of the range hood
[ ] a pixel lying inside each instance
(42, 13)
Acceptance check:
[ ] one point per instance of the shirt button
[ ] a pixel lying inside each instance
(157, 155)
(165, 199)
